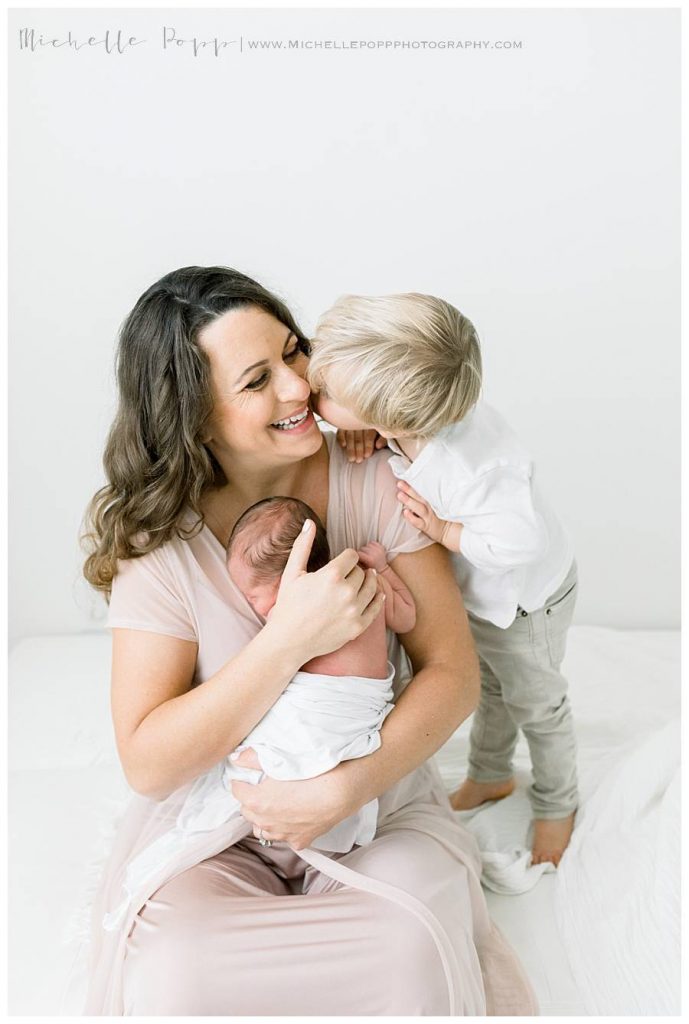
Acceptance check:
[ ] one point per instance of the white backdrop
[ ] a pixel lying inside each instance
(536, 187)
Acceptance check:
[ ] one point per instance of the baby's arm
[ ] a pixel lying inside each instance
(400, 610)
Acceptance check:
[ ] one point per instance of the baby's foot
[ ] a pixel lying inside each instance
(471, 794)
(550, 839)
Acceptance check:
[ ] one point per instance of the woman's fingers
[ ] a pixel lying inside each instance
(299, 555)
(356, 576)
(368, 589)
(266, 833)
(343, 563)
(248, 758)
(373, 611)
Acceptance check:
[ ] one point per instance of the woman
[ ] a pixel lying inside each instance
(214, 415)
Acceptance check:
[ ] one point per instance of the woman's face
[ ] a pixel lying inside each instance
(261, 412)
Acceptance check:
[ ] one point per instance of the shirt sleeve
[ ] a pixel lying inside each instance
(502, 529)
(148, 595)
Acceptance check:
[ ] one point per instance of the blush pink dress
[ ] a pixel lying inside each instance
(397, 927)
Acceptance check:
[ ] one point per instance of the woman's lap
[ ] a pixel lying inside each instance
(229, 937)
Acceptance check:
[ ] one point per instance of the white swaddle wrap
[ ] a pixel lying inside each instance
(317, 722)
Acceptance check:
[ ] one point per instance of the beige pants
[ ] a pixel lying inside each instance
(522, 688)
(259, 932)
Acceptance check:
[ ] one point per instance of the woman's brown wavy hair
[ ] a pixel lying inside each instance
(155, 463)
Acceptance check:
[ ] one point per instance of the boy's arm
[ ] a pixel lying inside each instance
(400, 610)
(419, 513)
(502, 531)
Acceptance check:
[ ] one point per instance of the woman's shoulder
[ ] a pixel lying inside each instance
(373, 471)
(157, 590)
(363, 505)
(162, 560)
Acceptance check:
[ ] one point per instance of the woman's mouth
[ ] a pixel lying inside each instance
(298, 421)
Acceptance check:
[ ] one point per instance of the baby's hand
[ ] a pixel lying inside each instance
(373, 556)
(360, 444)
(419, 513)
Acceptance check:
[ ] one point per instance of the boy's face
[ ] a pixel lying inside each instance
(336, 414)
(327, 406)
(330, 409)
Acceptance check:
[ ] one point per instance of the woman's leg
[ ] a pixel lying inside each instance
(228, 938)
(483, 975)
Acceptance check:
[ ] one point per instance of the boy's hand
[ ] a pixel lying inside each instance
(360, 444)
(373, 556)
(418, 512)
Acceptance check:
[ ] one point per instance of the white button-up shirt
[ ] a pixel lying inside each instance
(514, 551)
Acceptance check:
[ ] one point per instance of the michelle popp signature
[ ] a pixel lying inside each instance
(119, 41)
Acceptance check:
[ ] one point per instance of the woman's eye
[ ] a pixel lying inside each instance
(256, 385)
(290, 356)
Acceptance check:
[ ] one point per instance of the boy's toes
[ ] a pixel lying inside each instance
(551, 838)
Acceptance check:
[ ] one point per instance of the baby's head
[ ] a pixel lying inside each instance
(407, 365)
(260, 545)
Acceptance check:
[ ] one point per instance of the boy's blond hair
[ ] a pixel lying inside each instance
(405, 363)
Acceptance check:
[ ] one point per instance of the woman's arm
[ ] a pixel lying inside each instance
(443, 692)
(167, 733)
(446, 684)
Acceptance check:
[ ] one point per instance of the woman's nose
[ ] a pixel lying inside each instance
(292, 386)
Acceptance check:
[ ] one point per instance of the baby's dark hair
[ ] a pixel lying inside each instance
(267, 531)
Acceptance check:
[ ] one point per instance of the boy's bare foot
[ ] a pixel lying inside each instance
(550, 839)
(471, 794)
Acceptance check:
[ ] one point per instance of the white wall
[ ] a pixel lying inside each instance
(536, 188)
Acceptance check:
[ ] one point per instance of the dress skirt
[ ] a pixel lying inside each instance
(397, 927)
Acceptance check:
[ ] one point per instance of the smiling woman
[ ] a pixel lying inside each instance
(269, 399)
(214, 416)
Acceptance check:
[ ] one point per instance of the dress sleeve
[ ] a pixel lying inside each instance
(369, 508)
(148, 594)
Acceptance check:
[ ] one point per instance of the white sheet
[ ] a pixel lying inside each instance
(616, 893)
(62, 805)
(617, 901)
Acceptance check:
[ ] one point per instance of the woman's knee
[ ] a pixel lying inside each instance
(163, 970)
(414, 962)
(168, 963)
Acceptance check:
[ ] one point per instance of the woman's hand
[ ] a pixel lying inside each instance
(318, 612)
(292, 812)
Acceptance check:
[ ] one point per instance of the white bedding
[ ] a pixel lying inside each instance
(593, 938)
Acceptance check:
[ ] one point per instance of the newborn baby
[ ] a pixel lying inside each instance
(330, 711)
(257, 554)
(333, 708)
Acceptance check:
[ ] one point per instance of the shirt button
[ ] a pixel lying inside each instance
(548, 611)
(524, 613)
